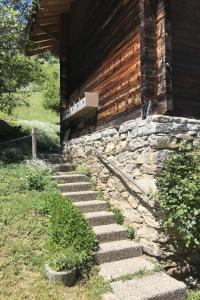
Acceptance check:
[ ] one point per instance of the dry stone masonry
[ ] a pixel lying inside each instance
(139, 148)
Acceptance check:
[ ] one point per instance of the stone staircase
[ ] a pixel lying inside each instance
(118, 257)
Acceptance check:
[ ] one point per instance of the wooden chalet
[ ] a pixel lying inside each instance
(122, 58)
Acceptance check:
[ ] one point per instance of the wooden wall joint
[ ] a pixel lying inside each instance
(168, 54)
(148, 52)
(64, 70)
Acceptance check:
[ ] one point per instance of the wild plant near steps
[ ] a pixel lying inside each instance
(179, 195)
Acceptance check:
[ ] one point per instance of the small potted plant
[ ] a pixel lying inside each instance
(61, 266)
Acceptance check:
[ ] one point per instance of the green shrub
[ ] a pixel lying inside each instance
(63, 259)
(51, 87)
(130, 232)
(118, 216)
(68, 229)
(179, 195)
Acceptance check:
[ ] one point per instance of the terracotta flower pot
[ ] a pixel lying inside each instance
(68, 277)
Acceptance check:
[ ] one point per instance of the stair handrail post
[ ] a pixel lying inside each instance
(34, 143)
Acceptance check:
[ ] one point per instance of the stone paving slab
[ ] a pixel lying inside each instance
(156, 287)
(113, 270)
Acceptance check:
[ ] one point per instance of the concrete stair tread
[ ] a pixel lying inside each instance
(110, 232)
(117, 245)
(113, 270)
(155, 287)
(94, 202)
(97, 214)
(74, 184)
(118, 250)
(71, 194)
(91, 205)
(62, 167)
(68, 175)
(62, 164)
(100, 217)
(109, 228)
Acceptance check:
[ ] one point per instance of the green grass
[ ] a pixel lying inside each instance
(23, 229)
(193, 295)
(25, 118)
(34, 111)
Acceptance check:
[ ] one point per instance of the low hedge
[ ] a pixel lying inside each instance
(71, 241)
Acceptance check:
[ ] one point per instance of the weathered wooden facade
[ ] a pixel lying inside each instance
(136, 54)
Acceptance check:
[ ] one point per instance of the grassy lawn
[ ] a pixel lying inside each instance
(193, 295)
(24, 118)
(23, 231)
(34, 111)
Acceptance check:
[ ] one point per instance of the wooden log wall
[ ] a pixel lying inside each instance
(106, 57)
(186, 57)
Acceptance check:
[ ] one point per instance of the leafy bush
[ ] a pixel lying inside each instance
(51, 92)
(118, 216)
(68, 232)
(63, 259)
(179, 195)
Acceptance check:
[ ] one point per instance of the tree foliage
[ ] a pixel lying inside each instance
(51, 86)
(179, 195)
(16, 69)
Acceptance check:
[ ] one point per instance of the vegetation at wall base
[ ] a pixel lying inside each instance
(179, 195)
(130, 232)
(119, 218)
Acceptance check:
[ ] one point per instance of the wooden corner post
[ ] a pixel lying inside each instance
(34, 143)
(148, 55)
(64, 70)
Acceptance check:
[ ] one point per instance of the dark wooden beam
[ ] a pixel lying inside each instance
(168, 55)
(64, 70)
(148, 54)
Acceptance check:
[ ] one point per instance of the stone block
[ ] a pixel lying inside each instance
(132, 215)
(148, 233)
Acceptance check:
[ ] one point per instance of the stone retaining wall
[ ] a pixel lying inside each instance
(139, 148)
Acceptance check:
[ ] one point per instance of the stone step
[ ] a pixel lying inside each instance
(69, 178)
(118, 250)
(49, 155)
(91, 206)
(155, 287)
(74, 187)
(100, 218)
(81, 196)
(113, 270)
(63, 167)
(52, 161)
(68, 173)
(109, 233)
